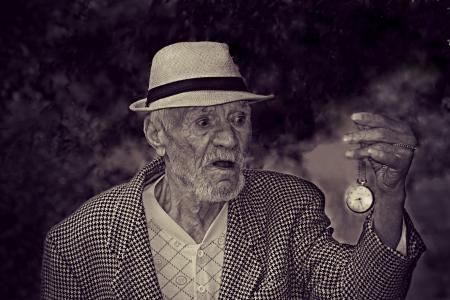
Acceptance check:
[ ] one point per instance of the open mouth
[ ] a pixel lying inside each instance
(224, 164)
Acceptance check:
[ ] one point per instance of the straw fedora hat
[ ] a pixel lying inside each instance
(194, 74)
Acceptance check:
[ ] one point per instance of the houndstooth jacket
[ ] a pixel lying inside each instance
(278, 246)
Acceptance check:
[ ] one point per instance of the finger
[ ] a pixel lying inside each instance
(384, 154)
(375, 135)
(363, 127)
(377, 120)
(379, 156)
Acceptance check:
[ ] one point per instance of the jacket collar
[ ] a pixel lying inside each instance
(128, 209)
(135, 276)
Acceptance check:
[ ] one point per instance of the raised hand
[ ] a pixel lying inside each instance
(389, 144)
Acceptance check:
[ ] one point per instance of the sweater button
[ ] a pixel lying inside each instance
(200, 253)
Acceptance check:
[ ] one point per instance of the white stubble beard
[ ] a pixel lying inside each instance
(196, 181)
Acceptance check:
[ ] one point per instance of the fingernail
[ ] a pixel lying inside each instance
(357, 116)
(346, 138)
(349, 153)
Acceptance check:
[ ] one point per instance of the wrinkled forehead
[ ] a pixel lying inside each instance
(186, 112)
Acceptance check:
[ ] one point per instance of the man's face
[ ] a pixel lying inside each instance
(206, 151)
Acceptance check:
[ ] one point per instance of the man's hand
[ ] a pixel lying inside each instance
(378, 136)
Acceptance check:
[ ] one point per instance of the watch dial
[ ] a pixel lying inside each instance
(358, 198)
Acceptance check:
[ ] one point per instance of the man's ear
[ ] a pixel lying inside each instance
(154, 133)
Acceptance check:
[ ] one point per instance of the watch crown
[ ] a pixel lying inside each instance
(361, 181)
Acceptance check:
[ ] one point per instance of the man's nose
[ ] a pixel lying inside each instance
(225, 137)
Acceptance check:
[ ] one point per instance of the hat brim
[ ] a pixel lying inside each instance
(198, 98)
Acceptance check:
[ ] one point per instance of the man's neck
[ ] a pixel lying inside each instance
(194, 216)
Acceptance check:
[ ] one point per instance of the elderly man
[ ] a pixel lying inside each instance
(194, 224)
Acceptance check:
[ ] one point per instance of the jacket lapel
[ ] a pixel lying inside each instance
(243, 253)
(136, 274)
(128, 240)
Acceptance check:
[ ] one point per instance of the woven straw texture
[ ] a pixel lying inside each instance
(191, 60)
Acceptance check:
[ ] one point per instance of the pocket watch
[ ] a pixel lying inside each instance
(359, 197)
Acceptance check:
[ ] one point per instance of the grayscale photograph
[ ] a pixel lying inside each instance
(225, 149)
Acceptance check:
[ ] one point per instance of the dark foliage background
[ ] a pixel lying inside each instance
(69, 69)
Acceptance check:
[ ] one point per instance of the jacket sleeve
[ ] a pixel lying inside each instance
(327, 269)
(58, 281)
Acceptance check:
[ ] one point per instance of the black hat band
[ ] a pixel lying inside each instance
(196, 84)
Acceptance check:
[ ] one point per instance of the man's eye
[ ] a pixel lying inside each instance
(240, 120)
(203, 122)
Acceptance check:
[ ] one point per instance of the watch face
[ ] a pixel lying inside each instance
(358, 198)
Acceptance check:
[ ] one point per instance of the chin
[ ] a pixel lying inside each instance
(221, 191)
